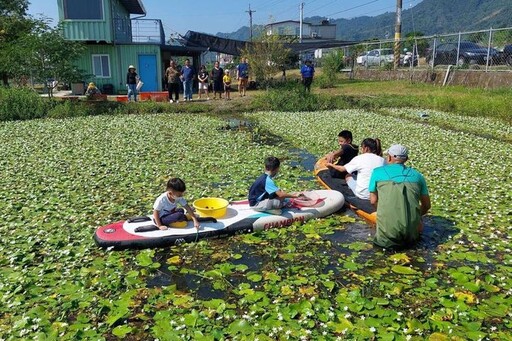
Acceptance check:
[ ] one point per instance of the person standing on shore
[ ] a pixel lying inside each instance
(131, 83)
(307, 73)
(242, 75)
(172, 74)
(203, 82)
(218, 85)
(188, 74)
(227, 85)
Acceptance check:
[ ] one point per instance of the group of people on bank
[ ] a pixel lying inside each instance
(219, 79)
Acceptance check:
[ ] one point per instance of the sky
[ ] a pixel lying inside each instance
(226, 16)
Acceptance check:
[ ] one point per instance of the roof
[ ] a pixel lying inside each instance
(231, 46)
(133, 6)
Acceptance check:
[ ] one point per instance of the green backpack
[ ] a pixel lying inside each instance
(398, 214)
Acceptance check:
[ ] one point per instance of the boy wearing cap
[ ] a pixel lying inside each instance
(401, 196)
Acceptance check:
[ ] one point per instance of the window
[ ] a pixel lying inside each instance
(84, 10)
(101, 65)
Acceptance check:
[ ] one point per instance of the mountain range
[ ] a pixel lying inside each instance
(429, 17)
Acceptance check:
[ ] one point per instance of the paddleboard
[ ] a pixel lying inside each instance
(361, 207)
(239, 218)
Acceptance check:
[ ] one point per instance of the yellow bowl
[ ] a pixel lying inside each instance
(178, 224)
(211, 207)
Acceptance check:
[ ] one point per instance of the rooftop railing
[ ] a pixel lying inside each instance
(140, 31)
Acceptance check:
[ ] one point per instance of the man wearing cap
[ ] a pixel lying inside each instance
(400, 194)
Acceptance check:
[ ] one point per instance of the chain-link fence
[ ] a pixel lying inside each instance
(488, 50)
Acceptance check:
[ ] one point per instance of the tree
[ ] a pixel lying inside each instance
(31, 49)
(267, 56)
(46, 57)
(14, 24)
(414, 42)
(332, 63)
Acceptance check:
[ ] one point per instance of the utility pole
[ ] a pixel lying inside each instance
(301, 10)
(398, 32)
(250, 19)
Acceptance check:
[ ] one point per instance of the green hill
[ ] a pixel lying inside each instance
(429, 17)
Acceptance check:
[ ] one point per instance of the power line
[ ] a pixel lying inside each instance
(351, 8)
(320, 7)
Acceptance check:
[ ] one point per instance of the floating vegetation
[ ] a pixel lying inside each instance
(323, 280)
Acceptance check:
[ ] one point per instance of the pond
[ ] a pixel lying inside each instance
(323, 280)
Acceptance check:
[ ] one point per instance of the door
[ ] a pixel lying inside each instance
(148, 72)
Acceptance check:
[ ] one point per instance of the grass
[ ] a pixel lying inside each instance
(362, 94)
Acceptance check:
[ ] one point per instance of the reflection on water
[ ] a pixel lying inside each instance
(306, 160)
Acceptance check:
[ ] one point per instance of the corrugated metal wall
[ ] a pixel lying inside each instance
(121, 56)
(88, 30)
(92, 30)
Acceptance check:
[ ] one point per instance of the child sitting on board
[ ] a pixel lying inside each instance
(264, 195)
(165, 208)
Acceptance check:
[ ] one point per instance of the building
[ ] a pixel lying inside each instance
(291, 28)
(115, 40)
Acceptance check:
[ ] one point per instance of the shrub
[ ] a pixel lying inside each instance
(67, 108)
(324, 82)
(295, 99)
(332, 64)
(21, 104)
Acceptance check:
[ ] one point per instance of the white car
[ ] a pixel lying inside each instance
(378, 57)
(360, 58)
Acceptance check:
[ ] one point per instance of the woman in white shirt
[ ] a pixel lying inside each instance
(363, 164)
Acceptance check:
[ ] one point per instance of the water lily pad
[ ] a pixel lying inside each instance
(122, 331)
(404, 270)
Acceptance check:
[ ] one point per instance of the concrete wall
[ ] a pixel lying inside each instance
(470, 78)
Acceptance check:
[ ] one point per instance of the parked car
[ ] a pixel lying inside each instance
(467, 53)
(360, 58)
(378, 57)
(507, 54)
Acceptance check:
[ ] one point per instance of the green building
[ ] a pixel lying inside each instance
(115, 40)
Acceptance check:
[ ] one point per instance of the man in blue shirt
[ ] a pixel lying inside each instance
(242, 74)
(187, 76)
(307, 73)
(401, 196)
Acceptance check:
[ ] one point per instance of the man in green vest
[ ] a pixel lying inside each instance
(400, 194)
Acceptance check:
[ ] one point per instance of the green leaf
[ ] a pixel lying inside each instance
(404, 270)
(122, 331)
(255, 277)
(242, 327)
